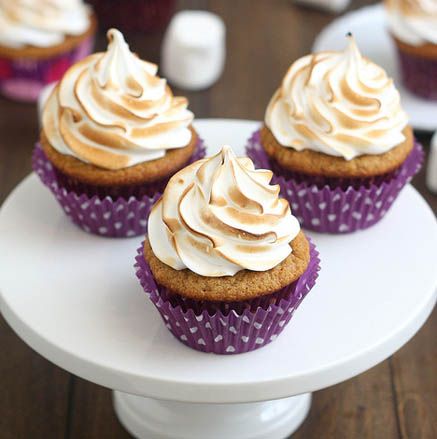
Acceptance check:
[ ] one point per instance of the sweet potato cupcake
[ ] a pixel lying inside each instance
(413, 26)
(338, 141)
(112, 135)
(225, 261)
(39, 41)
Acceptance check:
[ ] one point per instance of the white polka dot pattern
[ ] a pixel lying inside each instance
(120, 218)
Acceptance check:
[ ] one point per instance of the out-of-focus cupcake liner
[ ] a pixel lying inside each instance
(116, 217)
(134, 15)
(126, 192)
(23, 79)
(227, 328)
(419, 74)
(341, 209)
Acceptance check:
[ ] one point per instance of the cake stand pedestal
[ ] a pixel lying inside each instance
(74, 298)
(152, 418)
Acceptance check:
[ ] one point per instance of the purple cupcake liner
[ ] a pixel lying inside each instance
(328, 209)
(227, 328)
(23, 79)
(419, 74)
(106, 216)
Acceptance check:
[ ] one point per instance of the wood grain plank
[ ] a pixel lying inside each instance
(414, 370)
(33, 392)
(419, 181)
(92, 414)
(358, 408)
(19, 131)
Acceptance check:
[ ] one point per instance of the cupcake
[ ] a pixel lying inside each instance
(39, 41)
(134, 15)
(225, 261)
(338, 141)
(413, 26)
(112, 135)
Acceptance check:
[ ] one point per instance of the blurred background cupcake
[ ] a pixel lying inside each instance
(338, 140)
(39, 41)
(225, 261)
(112, 135)
(413, 26)
(134, 15)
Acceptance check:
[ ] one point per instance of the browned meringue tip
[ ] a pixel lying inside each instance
(113, 34)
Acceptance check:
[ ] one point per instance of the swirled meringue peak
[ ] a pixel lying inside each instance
(41, 23)
(111, 110)
(220, 215)
(337, 103)
(413, 21)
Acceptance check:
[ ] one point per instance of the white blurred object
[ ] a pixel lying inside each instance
(431, 172)
(330, 5)
(42, 99)
(193, 51)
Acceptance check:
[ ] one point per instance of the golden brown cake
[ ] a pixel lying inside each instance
(319, 164)
(244, 285)
(142, 173)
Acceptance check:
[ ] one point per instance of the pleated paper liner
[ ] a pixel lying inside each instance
(121, 217)
(341, 206)
(24, 79)
(419, 74)
(227, 328)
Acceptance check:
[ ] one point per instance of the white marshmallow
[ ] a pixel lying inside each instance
(193, 51)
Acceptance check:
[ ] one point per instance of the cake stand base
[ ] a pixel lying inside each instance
(147, 418)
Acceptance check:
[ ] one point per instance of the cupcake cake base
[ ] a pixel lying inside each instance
(232, 328)
(335, 205)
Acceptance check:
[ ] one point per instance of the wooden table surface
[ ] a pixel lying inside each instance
(397, 398)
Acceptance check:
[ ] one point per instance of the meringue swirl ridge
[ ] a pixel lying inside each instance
(219, 216)
(337, 103)
(113, 111)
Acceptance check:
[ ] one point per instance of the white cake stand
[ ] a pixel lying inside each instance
(369, 27)
(74, 298)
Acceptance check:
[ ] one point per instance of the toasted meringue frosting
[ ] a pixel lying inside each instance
(111, 110)
(413, 21)
(41, 23)
(337, 103)
(220, 215)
